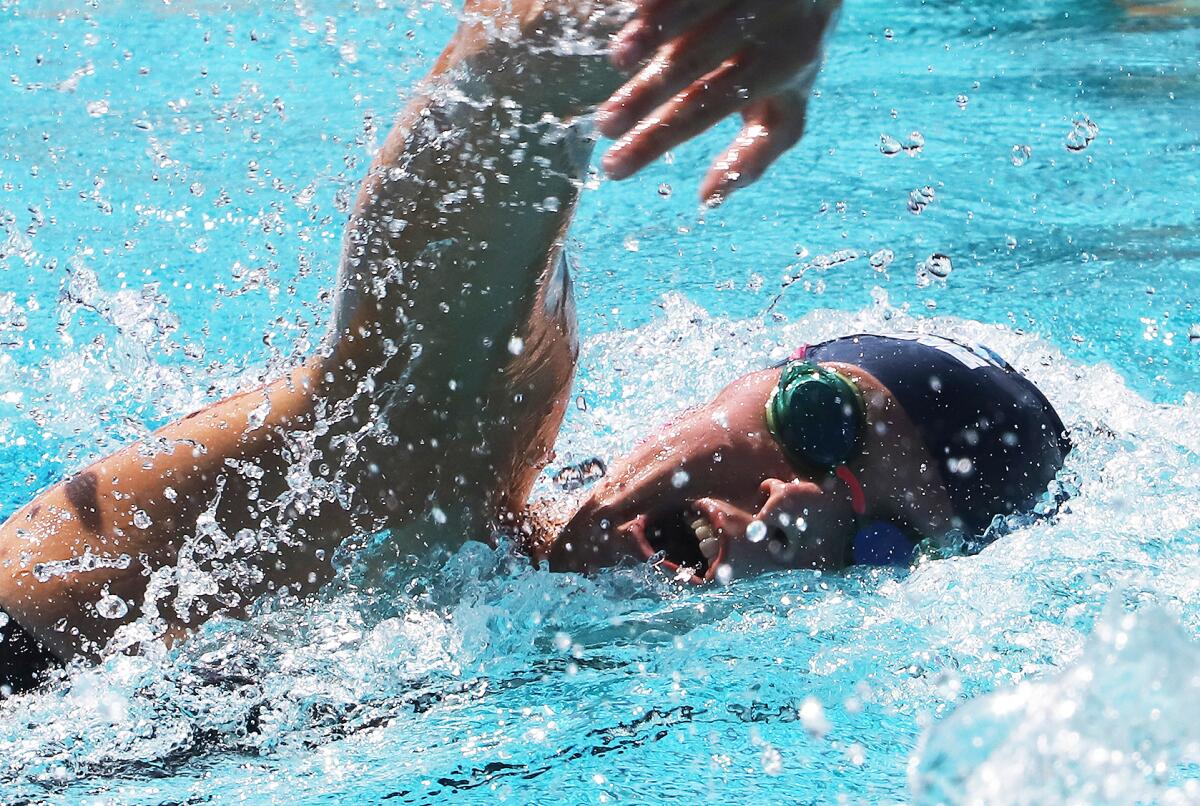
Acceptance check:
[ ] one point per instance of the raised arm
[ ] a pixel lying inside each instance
(439, 387)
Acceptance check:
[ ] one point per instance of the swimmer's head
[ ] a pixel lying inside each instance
(693, 491)
(699, 491)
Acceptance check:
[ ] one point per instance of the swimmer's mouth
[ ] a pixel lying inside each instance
(690, 547)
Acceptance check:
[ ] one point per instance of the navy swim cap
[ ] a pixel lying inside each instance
(996, 441)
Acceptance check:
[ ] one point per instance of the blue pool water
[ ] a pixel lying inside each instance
(173, 180)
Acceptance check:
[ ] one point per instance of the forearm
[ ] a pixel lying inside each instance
(204, 515)
(478, 178)
(455, 230)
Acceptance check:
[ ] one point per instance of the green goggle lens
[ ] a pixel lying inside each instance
(816, 415)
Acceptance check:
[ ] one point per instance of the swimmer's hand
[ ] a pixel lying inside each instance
(708, 59)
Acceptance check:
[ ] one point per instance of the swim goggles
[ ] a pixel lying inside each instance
(817, 416)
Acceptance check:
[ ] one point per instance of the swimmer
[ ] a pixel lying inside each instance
(850, 452)
(435, 400)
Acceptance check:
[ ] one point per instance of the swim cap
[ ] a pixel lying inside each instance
(994, 438)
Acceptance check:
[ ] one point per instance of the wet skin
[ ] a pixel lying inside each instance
(696, 488)
(415, 404)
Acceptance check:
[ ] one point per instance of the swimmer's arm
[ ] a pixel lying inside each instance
(123, 537)
(280, 461)
(445, 293)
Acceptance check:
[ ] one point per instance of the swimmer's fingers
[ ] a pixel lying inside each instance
(656, 23)
(689, 113)
(772, 127)
(677, 66)
(745, 53)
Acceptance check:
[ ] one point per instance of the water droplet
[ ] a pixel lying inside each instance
(680, 479)
(574, 477)
(631, 243)
(1010, 242)
(961, 100)
(562, 641)
(196, 189)
(664, 190)
(812, 717)
(724, 573)
(97, 109)
(772, 761)
(1194, 333)
(920, 198)
(960, 466)
(111, 606)
(141, 520)
(1083, 132)
(1021, 155)
(170, 494)
(889, 146)
(882, 259)
(939, 265)
(916, 142)
(756, 532)
(889, 34)
(516, 345)
(439, 517)
(257, 417)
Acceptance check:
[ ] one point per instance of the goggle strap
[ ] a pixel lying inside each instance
(858, 498)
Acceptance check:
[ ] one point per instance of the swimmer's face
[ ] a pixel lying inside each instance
(691, 493)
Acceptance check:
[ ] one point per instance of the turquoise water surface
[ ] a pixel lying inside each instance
(173, 183)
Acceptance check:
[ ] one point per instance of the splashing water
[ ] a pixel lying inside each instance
(452, 676)
(467, 675)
